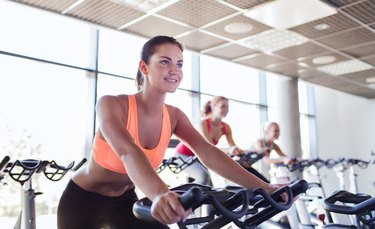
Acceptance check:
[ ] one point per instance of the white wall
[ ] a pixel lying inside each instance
(345, 128)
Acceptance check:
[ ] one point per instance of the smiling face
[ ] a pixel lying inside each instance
(220, 109)
(164, 68)
(273, 132)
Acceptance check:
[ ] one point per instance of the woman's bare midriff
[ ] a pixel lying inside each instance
(94, 178)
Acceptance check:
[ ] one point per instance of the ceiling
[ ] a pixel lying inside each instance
(336, 51)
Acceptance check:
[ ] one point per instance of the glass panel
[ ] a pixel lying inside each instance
(182, 100)
(187, 70)
(305, 136)
(219, 77)
(119, 53)
(44, 35)
(272, 91)
(112, 85)
(43, 116)
(302, 97)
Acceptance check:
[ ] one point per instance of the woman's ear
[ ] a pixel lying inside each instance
(143, 68)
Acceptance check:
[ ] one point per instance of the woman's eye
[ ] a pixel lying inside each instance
(164, 62)
(179, 65)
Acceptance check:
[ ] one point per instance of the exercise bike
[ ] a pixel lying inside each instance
(22, 171)
(244, 208)
(361, 206)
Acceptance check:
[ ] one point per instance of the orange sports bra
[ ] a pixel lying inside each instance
(104, 155)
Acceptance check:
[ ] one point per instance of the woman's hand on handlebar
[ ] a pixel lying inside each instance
(167, 209)
(273, 187)
(235, 150)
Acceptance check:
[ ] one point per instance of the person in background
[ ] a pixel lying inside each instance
(212, 128)
(271, 133)
(133, 134)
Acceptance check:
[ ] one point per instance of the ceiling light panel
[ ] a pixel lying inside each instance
(310, 60)
(197, 13)
(105, 13)
(199, 41)
(246, 4)
(345, 67)
(299, 12)
(273, 40)
(320, 60)
(144, 5)
(150, 27)
(219, 28)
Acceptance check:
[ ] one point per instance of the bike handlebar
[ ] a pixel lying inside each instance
(176, 164)
(22, 170)
(270, 204)
(250, 157)
(4, 162)
(363, 205)
(142, 208)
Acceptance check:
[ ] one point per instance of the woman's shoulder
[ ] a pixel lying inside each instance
(175, 113)
(172, 109)
(113, 97)
(113, 101)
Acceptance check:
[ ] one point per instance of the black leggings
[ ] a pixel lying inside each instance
(81, 209)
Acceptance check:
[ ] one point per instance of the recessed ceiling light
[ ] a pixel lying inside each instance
(324, 60)
(345, 67)
(322, 26)
(370, 80)
(273, 40)
(145, 5)
(238, 28)
(303, 64)
(298, 12)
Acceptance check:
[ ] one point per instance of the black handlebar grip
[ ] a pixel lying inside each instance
(83, 161)
(191, 198)
(142, 208)
(4, 162)
(299, 187)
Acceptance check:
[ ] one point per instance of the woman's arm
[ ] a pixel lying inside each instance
(281, 159)
(214, 158)
(233, 148)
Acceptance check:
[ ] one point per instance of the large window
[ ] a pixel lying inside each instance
(43, 116)
(220, 77)
(41, 34)
(307, 120)
(119, 53)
